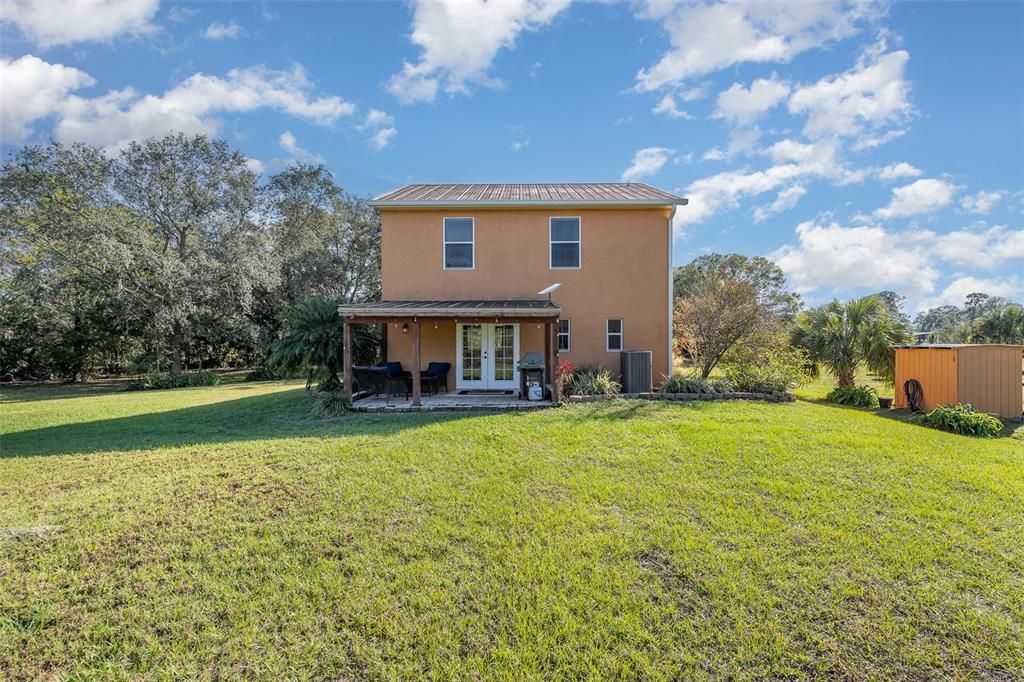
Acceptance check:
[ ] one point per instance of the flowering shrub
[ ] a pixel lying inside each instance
(563, 374)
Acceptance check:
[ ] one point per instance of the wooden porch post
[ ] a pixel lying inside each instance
(384, 342)
(555, 392)
(347, 340)
(416, 363)
(548, 368)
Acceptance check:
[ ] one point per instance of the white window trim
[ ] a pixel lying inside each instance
(445, 242)
(552, 242)
(621, 334)
(567, 334)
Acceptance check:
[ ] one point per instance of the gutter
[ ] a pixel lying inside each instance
(514, 203)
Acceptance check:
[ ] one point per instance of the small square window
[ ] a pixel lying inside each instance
(565, 243)
(564, 340)
(613, 335)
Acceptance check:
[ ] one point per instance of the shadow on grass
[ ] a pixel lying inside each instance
(283, 414)
(27, 393)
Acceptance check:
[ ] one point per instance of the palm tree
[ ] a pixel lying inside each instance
(314, 342)
(842, 337)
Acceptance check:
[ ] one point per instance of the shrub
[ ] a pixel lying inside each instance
(856, 396)
(680, 383)
(592, 380)
(330, 404)
(774, 369)
(563, 374)
(156, 382)
(962, 419)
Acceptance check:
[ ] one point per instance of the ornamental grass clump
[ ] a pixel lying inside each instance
(854, 396)
(680, 383)
(964, 420)
(330, 404)
(592, 380)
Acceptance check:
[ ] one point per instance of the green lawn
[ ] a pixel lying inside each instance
(218, 532)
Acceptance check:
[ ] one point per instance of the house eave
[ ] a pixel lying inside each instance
(540, 203)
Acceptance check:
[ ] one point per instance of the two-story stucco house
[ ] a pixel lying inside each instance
(463, 265)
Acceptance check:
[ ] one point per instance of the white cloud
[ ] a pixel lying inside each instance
(784, 200)
(695, 93)
(714, 154)
(290, 145)
(986, 248)
(382, 138)
(646, 162)
(64, 22)
(179, 14)
(667, 105)
(957, 291)
(859, 102)
(895, 171)
(838, 258)
(220, 30)
(33, 89)
(922, 196)
(380, 126)
(982, 202)
(113, 119)
(459, 40)
(743, 106)
(706, 38)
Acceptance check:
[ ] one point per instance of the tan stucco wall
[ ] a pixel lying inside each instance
(624, 273)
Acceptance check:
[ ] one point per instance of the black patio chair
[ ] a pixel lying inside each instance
(376, 381)
(437, 373)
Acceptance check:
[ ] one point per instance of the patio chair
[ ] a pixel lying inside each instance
(376, 381)
(437, 373)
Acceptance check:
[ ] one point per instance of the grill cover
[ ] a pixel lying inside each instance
(532, 361)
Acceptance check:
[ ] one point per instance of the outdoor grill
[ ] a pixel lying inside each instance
(531, 368)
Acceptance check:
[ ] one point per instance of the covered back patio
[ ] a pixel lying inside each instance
(482, 340)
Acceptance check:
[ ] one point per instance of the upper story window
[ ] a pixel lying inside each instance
(459, 246)
(565, 243)
(564, 337)
(613, 334)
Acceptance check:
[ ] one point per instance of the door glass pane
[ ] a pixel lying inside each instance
(504, 349)
(472, 352)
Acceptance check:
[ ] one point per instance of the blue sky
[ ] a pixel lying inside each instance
(862, 146)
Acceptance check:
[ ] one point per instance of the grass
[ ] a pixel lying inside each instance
(220, 532)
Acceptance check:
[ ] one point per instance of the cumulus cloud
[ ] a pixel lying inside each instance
(380, 128)
(784, 201)
(920, 197)
(64, 22)
(460, 38)
(743, 106)
(859, 102)
(982, 202)
(986, 248)
(959, 288)
(646, 162)
(667, 106)
(290, 145)
(709, 37)
(837, 258)
(33, 89)
(114, 119)
(896, 171)
(222, 30)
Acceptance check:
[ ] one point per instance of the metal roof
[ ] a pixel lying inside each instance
(478, 308)
(547, 194)
(959, 345)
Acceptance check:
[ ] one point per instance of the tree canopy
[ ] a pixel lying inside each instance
(168, 254)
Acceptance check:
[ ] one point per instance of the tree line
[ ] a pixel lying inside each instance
(167, 255)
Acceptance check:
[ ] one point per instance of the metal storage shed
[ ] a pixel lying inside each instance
(987, 376)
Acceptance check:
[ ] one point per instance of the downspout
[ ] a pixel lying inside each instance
(671, 293)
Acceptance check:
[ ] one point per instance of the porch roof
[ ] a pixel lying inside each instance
(514, 308)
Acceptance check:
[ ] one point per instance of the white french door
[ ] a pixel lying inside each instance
(486, 356)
